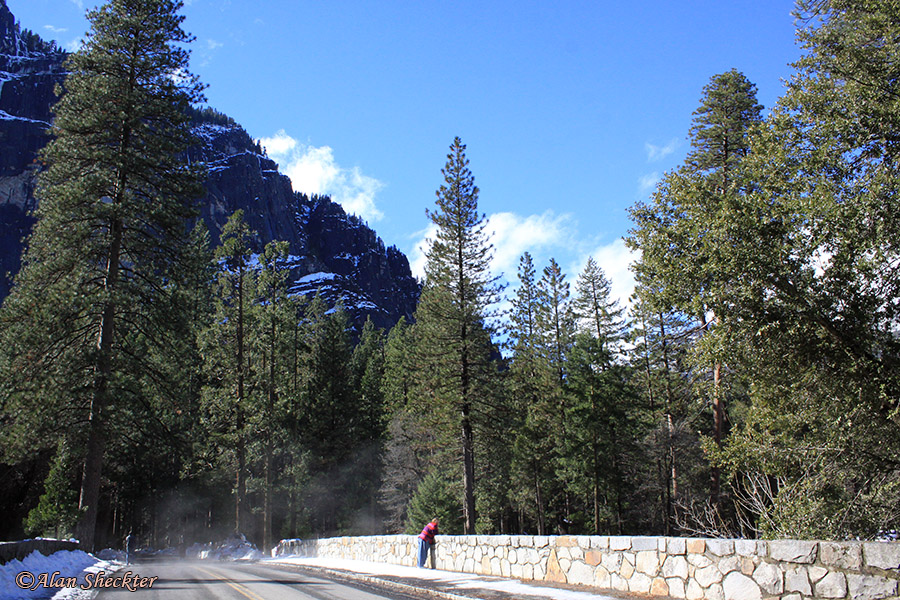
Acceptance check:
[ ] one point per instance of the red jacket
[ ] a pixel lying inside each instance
(428, 533)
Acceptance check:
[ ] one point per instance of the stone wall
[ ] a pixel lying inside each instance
(683, 568)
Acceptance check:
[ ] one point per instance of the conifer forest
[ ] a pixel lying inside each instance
(154, 381)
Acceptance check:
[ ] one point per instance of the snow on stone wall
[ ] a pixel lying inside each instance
(683, 568)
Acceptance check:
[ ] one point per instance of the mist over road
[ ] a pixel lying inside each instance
(196, 580)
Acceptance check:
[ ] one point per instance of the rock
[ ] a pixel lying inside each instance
(793, 551)
(882, 555)
(770, 578)
(870, 587)
(844, 555)
(738, 586)
(833, 585)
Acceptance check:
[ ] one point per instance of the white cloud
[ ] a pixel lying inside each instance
(417, 257)
(615, 259)
(647, 183)
(655, 153)
(53, 29)
(213, 44)
(511, 235)
(79, 4)
(314, 170)
(75, 45)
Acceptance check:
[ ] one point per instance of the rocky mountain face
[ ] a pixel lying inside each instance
(333, 254)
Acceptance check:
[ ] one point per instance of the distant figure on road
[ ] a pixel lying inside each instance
(129, 547)
(426, 539)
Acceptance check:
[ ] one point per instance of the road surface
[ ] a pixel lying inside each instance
(196, 580)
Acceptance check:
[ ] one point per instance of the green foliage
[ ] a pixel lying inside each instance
(57, 511)
(454, 343)
(437, 496)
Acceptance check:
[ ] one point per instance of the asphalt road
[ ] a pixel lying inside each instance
(195, 580)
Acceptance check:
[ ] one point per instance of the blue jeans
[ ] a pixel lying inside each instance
(424, 546)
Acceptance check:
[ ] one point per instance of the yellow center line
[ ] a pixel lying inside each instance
(234, 585)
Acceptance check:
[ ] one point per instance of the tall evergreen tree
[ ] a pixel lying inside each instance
(682, 234)
(453, 309)
(599, 314)
(815, 320)
(110, 230)
(226, 357)
(556, 317)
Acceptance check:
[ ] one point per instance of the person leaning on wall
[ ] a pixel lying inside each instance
(426, 540)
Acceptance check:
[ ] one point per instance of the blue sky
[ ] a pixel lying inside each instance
(570, 110)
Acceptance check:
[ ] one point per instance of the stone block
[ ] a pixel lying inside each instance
(647, 562)
(745, 547)
(833, 585)
(619, 583)
(512, 556)
(844, 555)
(676, 566)
(580, 573)
(708, 576)
(593, 557)
(676, 588)
(643, 542)
(639, 584)
(797, 580)
(565, 564)
(601, 578)
(516, 570)
(882, 555)
(738, 586)
(541, 541)
(870, 587)
(527, 571)
(770, 578)
(659, 587)
(816, 573)
(619, 542)
(699, 561)
(554, 571)
(612, 562)
(730, 563)
(696, 546)
(694, 591)
(600, 541)
(627, 569)
(566, 541)
(715, 592)
(676, 546)
(720, 547)
(793, 551)
(661, 544)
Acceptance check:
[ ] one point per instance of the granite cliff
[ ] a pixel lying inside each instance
(335, 254)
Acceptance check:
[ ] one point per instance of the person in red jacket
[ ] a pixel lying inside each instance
(426, 539)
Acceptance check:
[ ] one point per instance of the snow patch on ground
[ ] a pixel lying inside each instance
(459, 581)
(69, 563)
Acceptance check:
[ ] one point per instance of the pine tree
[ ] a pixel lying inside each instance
(227, 362)
(453, 309)
(598, 313)
(532, 383)
(110, 230)
(684, 232)
(556, 318)
(815, 319)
